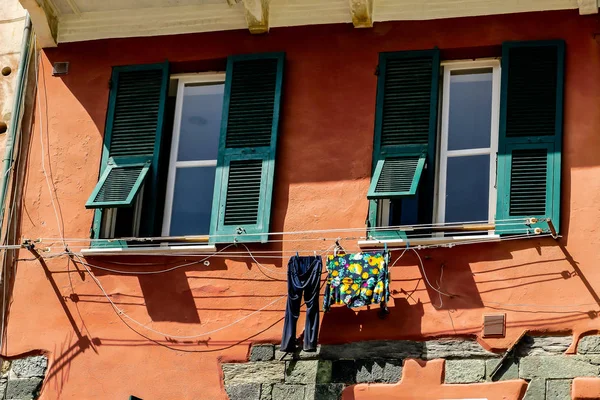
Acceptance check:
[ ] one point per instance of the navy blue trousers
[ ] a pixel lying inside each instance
(304, 276)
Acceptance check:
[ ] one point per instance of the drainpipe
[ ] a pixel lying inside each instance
(14, 124)
(7, 162)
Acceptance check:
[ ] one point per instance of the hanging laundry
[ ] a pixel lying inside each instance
(304, 277)
(356, 280)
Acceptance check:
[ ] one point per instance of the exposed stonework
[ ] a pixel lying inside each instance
(30, 367)
(244, 391)
(465, 371)
(589, 345)
(556, 367)
(253, 372)
(373, 349)
(308, 372)
(543, 345)
(323, 392)
(288, 392)
(452, 348)
(22, 378)
(298, 355)
(510, 370)
(536, 390)
(558, 389)
(262, 352)
(323, 375)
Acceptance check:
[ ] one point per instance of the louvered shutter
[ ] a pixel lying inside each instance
(246, 164)
(405, 128)
(529, 155)
(132, 141)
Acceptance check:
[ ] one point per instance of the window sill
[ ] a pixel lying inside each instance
(154, 250)
(430, 241)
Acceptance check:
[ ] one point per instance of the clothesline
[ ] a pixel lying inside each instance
(403, 228)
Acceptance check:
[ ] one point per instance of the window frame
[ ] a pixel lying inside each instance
(442, 139)
(182, 80)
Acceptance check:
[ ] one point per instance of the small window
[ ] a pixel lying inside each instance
(468, 142)
(194, 153)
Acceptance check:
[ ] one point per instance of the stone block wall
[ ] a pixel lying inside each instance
(22, 378)
(323, 375)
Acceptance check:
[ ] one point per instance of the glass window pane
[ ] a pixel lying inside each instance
(192, 201)
(467, 188)
(470, 112)
(200, 122)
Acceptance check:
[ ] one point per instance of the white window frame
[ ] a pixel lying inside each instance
(444, 153)
(183, 79)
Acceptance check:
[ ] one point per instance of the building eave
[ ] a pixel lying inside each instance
(71, 23)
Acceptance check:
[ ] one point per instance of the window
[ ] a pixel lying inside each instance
(468, 142)
(193, 159)
(194, 153)
(488, 151)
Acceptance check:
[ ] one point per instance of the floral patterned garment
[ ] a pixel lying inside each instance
(356, 280)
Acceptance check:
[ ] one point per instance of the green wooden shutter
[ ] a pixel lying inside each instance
(132, 141)
(529, 151)
(405, 129)
(246, 164)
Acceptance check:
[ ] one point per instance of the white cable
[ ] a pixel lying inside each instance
(500, 222)
(146, 272)
(43, 157)
(490, 239)
(122, 313)
(425, 275)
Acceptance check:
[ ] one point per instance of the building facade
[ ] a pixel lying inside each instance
(173, 169)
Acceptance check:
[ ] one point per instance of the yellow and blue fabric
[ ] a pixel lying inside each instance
(357, 280)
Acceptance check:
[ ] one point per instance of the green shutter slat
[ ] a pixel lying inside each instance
(396, 176)
(251, 103)
(528, 181)
(247, 148)
(136, 113)
(406, 102)
(405, 126)
(133, 132)
(529, 154)
(243, 192)
(120, 183)
(531, 91)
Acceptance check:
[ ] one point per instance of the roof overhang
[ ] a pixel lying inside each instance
(59, 21)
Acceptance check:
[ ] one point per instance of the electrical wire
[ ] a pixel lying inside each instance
(425, 275)
(43, 156)
(407, 228)
(487, 239)
(122, 313)
(270, 253)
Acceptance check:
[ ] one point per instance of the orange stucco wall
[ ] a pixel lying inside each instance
(322, 175)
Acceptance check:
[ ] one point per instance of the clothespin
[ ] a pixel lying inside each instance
(315, 253)
(297, 255)
(385, 247)
(337, 247)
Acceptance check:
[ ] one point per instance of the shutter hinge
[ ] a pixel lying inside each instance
(110, 83)
(377, 70)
